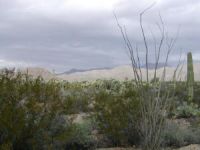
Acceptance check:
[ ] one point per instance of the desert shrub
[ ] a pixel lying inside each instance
(80, 137)
(63, 134)
(112, 84)
(155, 80)
(27, 108)
(31, 113)
(187, 110)
(180, 107)
(76, 103)
(178, 137)
(197, 93)
(181, 92)
(77, 97)
(116, 112)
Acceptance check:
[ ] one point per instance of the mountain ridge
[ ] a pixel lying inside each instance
(120, 73)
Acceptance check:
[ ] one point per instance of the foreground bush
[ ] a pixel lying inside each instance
(175, 136)
(33, 115)
(116, 112)
(27, 109)
(77, 97)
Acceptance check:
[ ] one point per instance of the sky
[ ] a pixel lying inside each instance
(82, 34)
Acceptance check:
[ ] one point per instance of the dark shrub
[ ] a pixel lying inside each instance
(116, 112)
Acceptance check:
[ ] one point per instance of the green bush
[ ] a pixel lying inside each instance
(187, 110)
(180, 106)
(77, 97)
(116, 112)
(79, 137)
(178, 137)
(197, 93)
(27, 108)
(182, 95)
(32, 113)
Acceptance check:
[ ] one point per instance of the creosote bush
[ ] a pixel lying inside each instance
(27, 109)
(187, 110)
(116, 112)
(175, 136)
(78, 96)
(32, 113)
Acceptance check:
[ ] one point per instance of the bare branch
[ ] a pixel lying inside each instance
(144, 38)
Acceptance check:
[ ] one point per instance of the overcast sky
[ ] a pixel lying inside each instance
(65, 34)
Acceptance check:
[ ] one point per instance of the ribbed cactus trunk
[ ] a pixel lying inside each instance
(190, 77)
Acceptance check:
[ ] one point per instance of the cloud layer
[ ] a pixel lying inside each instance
(64, 34)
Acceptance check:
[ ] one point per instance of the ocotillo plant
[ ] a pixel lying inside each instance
(190, 77)
(154, 105)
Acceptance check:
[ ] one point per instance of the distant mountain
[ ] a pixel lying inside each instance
(125, 72)
(119, 73)
(74, 70)
(36, 71)
(152, 65)
(71, 71)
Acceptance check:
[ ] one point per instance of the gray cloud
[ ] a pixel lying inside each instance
(64, 34)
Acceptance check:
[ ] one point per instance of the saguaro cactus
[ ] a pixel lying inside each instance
(190, 77)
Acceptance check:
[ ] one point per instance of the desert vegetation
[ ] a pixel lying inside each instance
(39, 114)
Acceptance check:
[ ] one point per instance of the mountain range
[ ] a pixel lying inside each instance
(120, 73)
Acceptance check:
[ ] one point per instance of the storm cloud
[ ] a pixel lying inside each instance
(65, 34)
